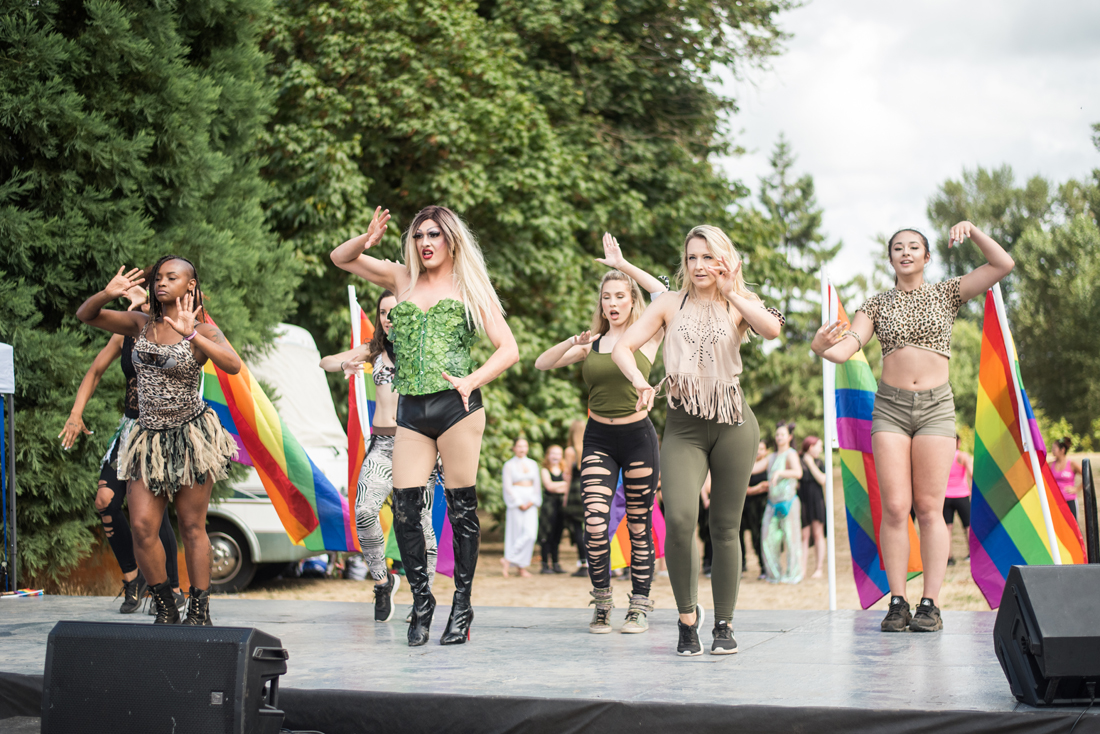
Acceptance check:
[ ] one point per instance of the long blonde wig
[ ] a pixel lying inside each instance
(719, 245)
(600, 324)
(470, 274)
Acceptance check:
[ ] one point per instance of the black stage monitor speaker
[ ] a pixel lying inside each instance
(117, 678)
(1047, 634)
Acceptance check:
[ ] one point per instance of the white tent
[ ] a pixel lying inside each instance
(7, 496)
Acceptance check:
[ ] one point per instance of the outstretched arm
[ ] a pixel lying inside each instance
(613, 258)
(349, 256)
(127, 323)
(998, 262)
(349, 362)
(564, 353)
(654, 319)
(838, 341)
(74, 426)
(506, 355)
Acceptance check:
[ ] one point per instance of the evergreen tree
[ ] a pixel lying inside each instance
(543, 123)
(128, 131)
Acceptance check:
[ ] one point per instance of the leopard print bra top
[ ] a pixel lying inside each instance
(168, 378)
(919, 318)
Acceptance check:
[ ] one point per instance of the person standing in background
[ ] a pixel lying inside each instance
(522, 497)
(811, 496)
(957, 499)
(756, 500)
(574, 502)
(1066, 471)
(554, 489)
(783, 516)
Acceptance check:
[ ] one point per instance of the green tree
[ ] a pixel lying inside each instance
(128, 131)
(787, 382)
(543, 123)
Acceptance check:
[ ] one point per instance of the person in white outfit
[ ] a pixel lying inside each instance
(523, 497)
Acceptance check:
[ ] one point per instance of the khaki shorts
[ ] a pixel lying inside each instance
(914, 413)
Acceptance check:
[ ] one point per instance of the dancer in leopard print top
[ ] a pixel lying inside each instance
(179, 447)
(913, 424)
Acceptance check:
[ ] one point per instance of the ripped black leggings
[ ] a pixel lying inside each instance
(117, 528)
(632, 448)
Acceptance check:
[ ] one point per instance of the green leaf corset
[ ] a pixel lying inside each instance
(427, 344)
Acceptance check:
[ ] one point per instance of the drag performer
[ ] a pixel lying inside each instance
(444, 299)
(112, 490)
(619, 437)
(913, 425)
(709, 426)
(376, 477)
(178, 448)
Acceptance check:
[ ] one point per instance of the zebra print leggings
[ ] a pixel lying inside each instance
(374, 486)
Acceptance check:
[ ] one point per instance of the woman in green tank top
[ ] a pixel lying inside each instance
(618, 437)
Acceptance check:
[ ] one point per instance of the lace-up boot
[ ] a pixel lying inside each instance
(132, 593)
(167, 612)
(601, 599)
(198, 608)
(407, 505)
(462, 509)
(898, 616)
(636, 621)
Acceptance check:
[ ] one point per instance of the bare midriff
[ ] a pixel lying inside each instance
(633, 418)
(385, 406)
(913, 368)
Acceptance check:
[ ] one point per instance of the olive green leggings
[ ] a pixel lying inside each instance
(691, 446)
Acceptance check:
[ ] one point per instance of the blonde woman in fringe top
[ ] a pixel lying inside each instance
(709, 426)
(619, 437)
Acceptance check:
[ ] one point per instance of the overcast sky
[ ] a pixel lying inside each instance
(883, 101)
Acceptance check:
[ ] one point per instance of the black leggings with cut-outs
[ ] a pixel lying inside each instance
(631, 448)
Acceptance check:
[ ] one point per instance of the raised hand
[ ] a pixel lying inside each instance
(612, 254)
(72, 430)
(464, 386)
(828, 336)
(118, 286)
(377, 228)
(137, 297)
(186, 318)
(724, 274)
(959, 233)
(585, 337)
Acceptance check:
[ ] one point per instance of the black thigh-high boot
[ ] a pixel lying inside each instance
(462, 510)
(407, 505)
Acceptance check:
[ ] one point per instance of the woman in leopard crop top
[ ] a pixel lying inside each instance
(179, 447)
(444, 301)
(376, 475)
(913, 422)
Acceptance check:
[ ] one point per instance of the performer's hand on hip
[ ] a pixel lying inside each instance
(464, 386)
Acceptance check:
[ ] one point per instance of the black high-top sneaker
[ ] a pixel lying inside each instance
(167, 613)
(927, 617)
(898, 616)
(198, 608)
(132, 593)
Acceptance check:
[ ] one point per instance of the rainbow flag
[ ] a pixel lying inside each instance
(855, 401)
(620, 541)
(1007, 525)
(313, 512)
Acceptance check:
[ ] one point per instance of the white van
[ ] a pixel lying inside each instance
(247, 538)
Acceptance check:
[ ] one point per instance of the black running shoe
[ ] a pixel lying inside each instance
(689, 635)
(898, 616)
(132, 594)
(383, 598)
(927, 617)
(723, 644)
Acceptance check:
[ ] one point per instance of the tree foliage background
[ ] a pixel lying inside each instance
(127, 131)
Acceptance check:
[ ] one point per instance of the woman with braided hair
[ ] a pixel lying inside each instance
(179, 447)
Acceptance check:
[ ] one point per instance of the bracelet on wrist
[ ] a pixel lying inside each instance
(192, 335)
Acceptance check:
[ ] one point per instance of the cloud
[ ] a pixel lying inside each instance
(882, 102)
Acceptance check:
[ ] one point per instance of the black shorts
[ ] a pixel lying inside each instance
(960, 505)
(432, 414)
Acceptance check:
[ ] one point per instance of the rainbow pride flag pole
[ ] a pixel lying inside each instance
(851, 396)
(313, 512)
(1012, 523)
(829, 306)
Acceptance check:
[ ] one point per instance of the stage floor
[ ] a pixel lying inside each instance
(802, 659)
